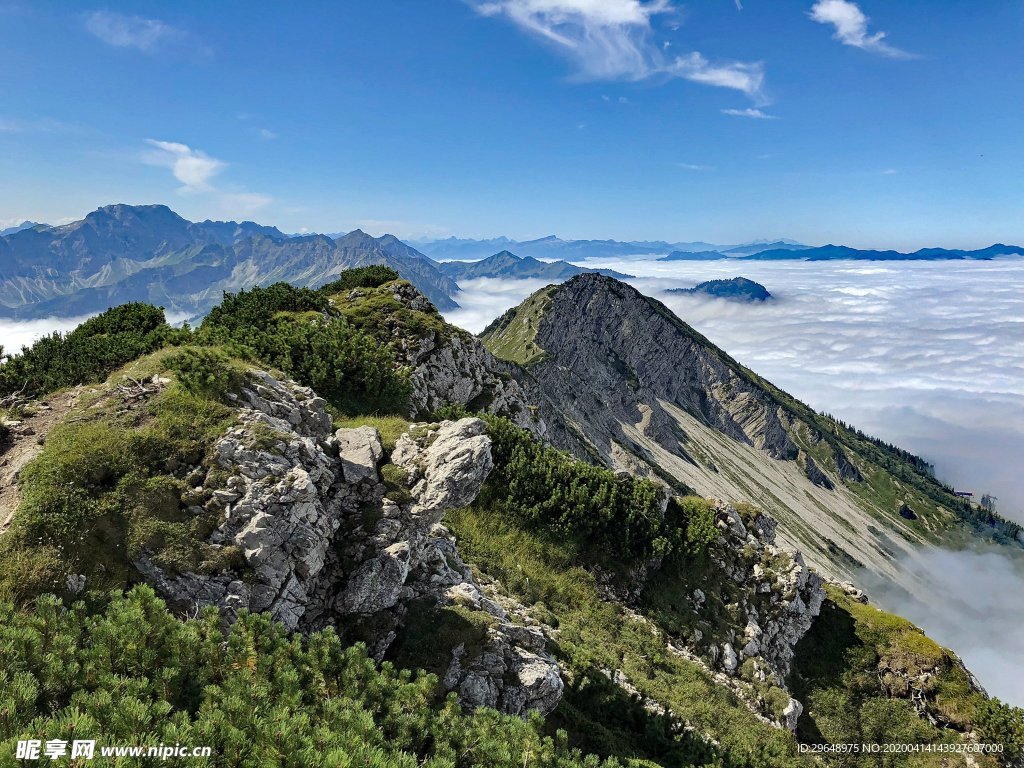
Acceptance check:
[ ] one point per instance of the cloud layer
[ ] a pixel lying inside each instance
(142, 34)
(928, 355)
(613, 40)
(851, 27)
(970, 603)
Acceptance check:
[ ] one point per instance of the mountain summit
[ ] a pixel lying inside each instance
(506, 264)
(638, 389)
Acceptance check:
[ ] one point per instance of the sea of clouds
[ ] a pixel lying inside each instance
(928, 355)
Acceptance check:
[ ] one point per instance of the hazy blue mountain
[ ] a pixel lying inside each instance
(463, 249)
(735, 289)
(758, 247)
(506, 264)
(122, 253)
(19, 227)
(553, 247)
(694, 256)
(830, 252)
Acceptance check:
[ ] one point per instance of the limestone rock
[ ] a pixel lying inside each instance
(453, 465)
(360, 450)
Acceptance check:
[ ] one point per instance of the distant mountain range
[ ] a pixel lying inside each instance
(149, 253)
(19, 227)
(837, 252)
(506, 264)
(552, 247)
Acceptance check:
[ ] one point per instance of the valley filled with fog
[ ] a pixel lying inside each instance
(927, 355)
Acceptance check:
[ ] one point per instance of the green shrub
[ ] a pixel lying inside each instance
(373, 276)
(999, 723)
(129, 672)
(90, 352)
(296, 331)
(204, 370)
(620, 518)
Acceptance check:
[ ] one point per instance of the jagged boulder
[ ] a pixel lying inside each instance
(776, 610)
(359, 450)
(450, 469)
(280, 504)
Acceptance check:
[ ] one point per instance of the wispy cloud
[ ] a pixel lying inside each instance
(36, 125)
(196, 171)
(695, 167)
(192, 167)
(266, 133)
(149, 36)
(613, 40)
(851, 25)
(757, 114)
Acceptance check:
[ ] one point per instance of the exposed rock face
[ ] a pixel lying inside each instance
(281, 503)
(319, 544)
(456, 369)
(592, 335)
(781, 599)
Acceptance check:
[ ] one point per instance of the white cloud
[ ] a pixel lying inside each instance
(193, 168)
(121, 31)
(266, 133)
(757, 114)
(851, 27)
(196, 171)
(695, 167)
(612, 40)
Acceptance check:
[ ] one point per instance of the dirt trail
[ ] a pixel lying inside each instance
(25, 443)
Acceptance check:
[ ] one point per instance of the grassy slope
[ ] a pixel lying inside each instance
(854, 672)
(596, 635)
(109, 483)
(511, 337)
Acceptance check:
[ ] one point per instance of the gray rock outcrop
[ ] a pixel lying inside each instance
(319, 543)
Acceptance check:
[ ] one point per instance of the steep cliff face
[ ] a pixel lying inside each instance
(625, 383)
(323, 540)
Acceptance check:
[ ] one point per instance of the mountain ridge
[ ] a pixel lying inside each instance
(121, 253)
(674, 406)
(509, 265)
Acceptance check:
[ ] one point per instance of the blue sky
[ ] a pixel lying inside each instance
(892, 124)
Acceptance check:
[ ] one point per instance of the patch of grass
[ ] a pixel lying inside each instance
(396, 482)
(377, 312)
(108, 486)
(595, 635)
(513, 335)
(430, 632)
(853, 672)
